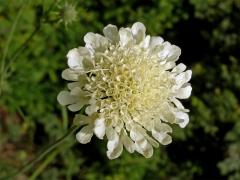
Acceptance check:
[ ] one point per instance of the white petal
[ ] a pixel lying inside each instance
(164, 50)
(85, 134)
(145, 42)
(152, 141)
(184, 92)
(115, 153)
(144, 148)
(155, 40)
(126, 37)
(168, 114)
(96, 42)
(75, 107)
(177, 103)
(169, 65)
(87, 61)
(91, 109)
(64, 98)
(138, 31)
(77, 91)
(179, 68)
(73, 85)
(182, 119)
(169, 52)
(163, 138)
(111, 32)
(75, 59)
(70, 75)
(84, 52)
(174, 53)
(127, 142)
(162, 127)
(99, 128)
(136, 136)
(183, 78)
(113, 138)
(148, 152)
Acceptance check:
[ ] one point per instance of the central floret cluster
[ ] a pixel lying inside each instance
(128, 84)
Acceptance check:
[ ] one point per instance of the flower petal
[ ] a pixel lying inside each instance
(70, 75)
(73, 85)
(111, 32)
(162, 127)
(169, 52)
(145, 42)
(152, 141)
(76, 106)
(183, 78)
(155, 40)
(135, 135)
(116, 152)
(127, 142)
(168, 114)
(179, 68)
(138, 31)
(184, 92)
(163, 138)
(75, 59)
(113, 138)
(126, 37)
(96, 42)
(174, 53)
(99, 128)
(77, 91)
(85, 134)
(84, 52)
(182, 119)
(169, 65)
(91, 109)
(164, 50)
(64, 98)
(148, 152)
(177, 103)
(144, 148)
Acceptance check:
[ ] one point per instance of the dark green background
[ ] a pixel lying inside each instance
(208, 33)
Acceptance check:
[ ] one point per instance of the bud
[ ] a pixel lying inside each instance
(68, 13)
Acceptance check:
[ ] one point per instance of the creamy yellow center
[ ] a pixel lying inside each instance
(130, 85)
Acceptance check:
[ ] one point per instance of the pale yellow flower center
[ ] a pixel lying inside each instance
(131, 85)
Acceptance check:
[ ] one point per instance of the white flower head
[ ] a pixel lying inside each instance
(130, 85)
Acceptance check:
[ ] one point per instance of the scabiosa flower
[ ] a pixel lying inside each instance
(130, 86)
(68, 13)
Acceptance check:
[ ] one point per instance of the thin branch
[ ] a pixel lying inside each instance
(29, 165)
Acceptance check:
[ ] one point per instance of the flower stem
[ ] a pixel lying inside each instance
(49, 159)
(43, 154)
(24, 45)
(5, 67)
(5, 51)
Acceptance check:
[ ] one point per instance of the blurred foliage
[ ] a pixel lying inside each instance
(30, 117)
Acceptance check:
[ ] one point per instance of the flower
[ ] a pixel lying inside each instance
(130, 86)
(68, 13)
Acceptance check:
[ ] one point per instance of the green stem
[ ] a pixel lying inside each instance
(21, 48)
(5, 52)
(43, 154)
(64, 117)
(44, 164)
